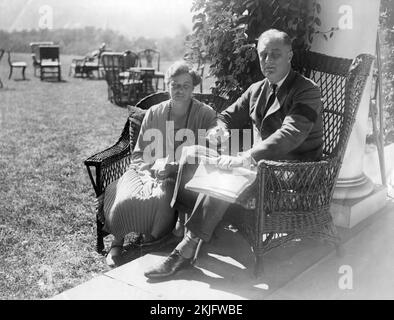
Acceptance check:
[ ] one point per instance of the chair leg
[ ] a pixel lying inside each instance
(200, 242)
(1, 84)
(59, 77)
(9, 77)
(258, 265)
(23, 73)
(100, 237)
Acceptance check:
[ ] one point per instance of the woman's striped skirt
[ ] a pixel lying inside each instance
(139, 203)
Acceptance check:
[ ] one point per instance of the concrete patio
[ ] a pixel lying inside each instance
(305, 269)
(301, 270)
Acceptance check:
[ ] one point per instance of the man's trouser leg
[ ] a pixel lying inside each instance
(206, 215)
(204, 212)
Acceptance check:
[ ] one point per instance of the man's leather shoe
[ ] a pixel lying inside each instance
(173, 263)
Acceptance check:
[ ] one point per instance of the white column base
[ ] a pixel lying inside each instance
(353, 188)
(349, 212)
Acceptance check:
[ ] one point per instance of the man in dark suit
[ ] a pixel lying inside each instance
(285, 109)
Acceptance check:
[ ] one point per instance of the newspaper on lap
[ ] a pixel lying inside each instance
(208, 179)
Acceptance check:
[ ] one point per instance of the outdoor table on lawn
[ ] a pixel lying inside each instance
(146, 75)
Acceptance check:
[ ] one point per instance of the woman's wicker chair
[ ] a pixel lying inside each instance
(109, 165)
(292, 199)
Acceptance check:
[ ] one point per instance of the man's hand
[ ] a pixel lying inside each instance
(218, 135)
(243, 159)
(229, 162)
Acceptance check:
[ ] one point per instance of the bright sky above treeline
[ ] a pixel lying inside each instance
(134, 18)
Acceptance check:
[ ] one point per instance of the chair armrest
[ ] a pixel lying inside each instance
(112, 162)
(288, 191)
(116, 152)
(298, 176)
(109, 164)
(287, 186)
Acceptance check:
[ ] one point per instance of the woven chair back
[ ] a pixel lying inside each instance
(152, 99)
(216, 102)
(35, 48)
(130, 59)
(112, 63)
(49, 53)
(149, 58)
(331, 75)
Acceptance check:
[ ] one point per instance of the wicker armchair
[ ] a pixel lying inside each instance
(94, 64)
(124, 87)
(292, 199)
(110, 164)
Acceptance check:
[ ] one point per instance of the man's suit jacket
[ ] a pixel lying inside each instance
(292, 128)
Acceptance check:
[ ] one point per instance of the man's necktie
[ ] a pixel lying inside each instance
(271, 98)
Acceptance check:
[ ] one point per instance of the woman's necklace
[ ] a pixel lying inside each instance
(187, 115)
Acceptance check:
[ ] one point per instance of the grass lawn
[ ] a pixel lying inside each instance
(47, 218)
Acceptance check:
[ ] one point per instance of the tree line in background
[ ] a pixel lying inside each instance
(85, 40)
(224, 37)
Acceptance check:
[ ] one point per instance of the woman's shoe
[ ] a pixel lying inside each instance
(113, 254)
(179, 229)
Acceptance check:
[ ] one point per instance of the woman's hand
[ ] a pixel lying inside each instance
(144, 166)
(169, 170)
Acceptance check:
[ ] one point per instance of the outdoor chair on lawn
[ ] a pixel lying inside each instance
(77, 68)
(150, 58)
(124, 87)
(1, 56)
(131, 59)
(17, 65)
(133, 78)
(110, 164)
(35, 53)
(94, 64)
(50, 65)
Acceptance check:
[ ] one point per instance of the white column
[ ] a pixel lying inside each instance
(358, 23)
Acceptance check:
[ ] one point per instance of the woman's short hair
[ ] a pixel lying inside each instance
(182, 67)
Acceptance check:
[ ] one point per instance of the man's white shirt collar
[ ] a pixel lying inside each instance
(280, 82)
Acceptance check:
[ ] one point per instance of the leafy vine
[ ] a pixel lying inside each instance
(225, 32)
